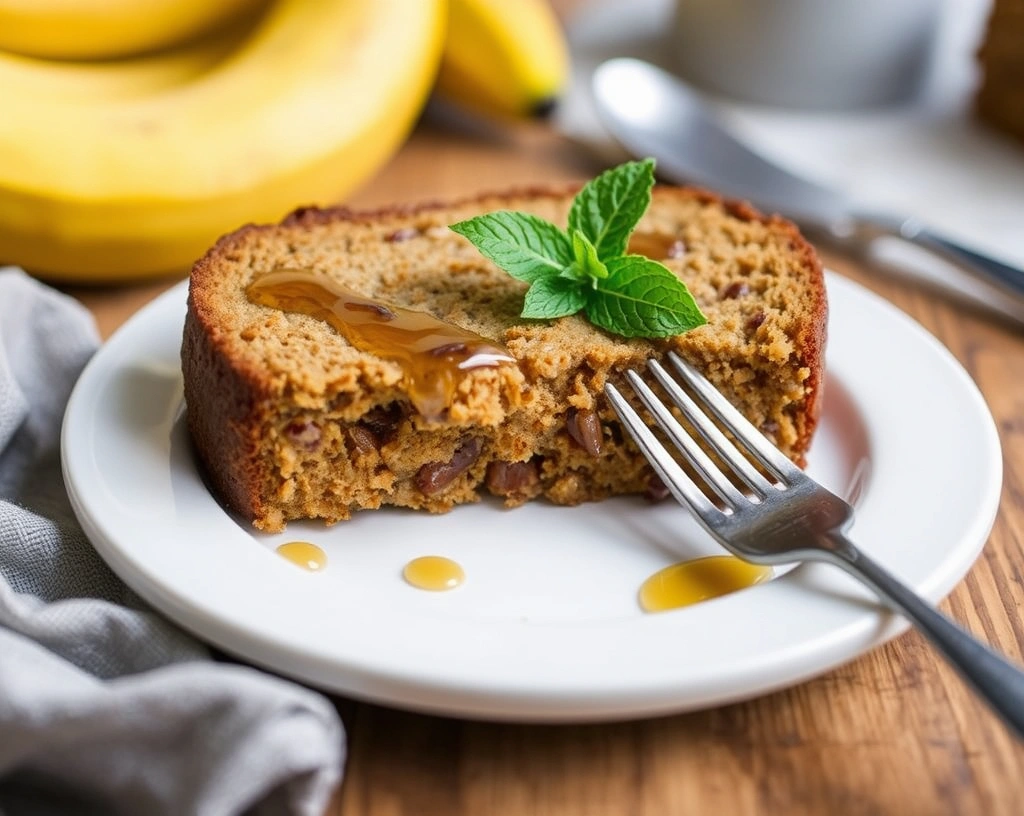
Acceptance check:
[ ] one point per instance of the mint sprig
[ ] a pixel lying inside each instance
(608, 208)
(586, 268)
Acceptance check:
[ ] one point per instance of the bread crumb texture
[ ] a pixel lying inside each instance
(291, 421)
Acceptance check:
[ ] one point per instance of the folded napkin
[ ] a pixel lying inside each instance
(105, 706)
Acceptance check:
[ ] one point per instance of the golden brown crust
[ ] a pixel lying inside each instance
(244, 385)
(223, 431)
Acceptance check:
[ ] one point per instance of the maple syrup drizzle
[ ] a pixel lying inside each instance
(431, 352)
(690, 582)
(656, 245)
(434, 573)
(303, 554)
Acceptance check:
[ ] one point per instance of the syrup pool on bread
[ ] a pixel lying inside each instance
(432, 352)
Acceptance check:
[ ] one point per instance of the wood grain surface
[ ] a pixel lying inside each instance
(894, 732)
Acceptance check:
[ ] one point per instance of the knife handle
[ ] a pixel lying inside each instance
(996, 272)
(986, 282)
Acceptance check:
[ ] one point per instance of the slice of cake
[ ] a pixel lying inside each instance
(345, 360)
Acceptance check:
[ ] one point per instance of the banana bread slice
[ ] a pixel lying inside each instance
(292, 418)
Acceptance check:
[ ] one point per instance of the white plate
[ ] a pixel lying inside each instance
(547, 625)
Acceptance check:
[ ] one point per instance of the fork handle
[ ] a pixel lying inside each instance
(996, 680)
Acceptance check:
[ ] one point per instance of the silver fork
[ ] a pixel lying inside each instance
(790, 519)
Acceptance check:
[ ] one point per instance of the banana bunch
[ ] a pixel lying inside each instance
(505, 58)
(94, 29)
(134, 134)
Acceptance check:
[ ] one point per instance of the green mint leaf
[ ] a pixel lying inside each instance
(554, 297)
(525, 246)
(642, 298)
(586, 267)
(585, 263)
(608, 208)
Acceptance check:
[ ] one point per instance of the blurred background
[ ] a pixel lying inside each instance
(136, 134)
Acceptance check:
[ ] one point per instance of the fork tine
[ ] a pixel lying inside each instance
(763, 450)
(707, 429)
(686, 445)
(682, 486)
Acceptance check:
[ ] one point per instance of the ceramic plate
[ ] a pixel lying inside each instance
(547, 624)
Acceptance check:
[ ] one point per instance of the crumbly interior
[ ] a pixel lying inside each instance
(293, 422)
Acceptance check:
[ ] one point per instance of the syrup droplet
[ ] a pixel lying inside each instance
(690, 582)
(303, 554)
(656, 245)
(432, 352)
(433, 572)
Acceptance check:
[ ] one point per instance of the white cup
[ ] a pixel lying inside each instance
(807, 53)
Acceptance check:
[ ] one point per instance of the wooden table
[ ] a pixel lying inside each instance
(894, 732)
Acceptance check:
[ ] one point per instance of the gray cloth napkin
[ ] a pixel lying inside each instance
(105, 706)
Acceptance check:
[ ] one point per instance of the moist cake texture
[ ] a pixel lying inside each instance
(292, 421)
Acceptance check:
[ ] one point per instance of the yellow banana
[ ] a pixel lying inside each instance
(105, 29)
(303, 110)
(64, 81)
(503, 57)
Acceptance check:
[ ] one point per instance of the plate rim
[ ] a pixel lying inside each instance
(436, 692)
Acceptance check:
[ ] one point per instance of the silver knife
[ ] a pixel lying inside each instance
(653, 113)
